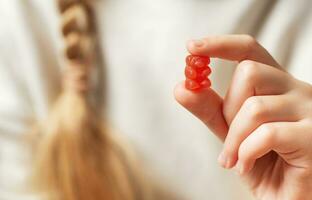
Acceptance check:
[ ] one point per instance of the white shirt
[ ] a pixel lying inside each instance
(144, 49)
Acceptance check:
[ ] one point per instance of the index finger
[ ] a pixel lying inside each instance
(232, 47)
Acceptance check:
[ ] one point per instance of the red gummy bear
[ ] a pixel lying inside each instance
(196, 72)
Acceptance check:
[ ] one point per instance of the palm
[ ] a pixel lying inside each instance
(267, 177)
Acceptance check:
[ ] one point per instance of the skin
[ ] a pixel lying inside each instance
(264, 121)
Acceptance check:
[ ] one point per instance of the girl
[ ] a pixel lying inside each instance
(52, 76)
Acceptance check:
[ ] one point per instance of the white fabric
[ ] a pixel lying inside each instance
(144, 48)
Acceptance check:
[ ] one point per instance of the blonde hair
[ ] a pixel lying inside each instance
(77, 158)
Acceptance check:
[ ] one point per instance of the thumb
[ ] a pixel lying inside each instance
(205, 105)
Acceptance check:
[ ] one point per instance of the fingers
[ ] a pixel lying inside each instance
(285, 138)
(205, 105)
(232, 47)
(253, 79)
(255, 111)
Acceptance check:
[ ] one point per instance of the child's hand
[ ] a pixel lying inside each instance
(265, 119)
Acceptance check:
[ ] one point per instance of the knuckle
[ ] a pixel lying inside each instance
(255, 108)
(269, 131)
(247, 71)
(247, 37)
(251, 43)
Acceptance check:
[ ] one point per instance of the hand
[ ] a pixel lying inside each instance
(265, 119)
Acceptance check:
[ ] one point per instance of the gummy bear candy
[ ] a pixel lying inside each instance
(196, 72)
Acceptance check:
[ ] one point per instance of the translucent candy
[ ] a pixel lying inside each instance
(197, 72)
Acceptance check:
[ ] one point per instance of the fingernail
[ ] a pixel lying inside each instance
(197, 43)
(223, 160)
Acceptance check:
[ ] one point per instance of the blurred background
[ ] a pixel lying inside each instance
(143, 45)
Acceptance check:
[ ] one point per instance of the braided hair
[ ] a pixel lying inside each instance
(76, 157)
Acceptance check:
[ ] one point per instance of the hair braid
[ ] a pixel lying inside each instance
(76, 159)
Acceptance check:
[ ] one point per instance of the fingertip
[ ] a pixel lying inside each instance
(222, 160)
(179, 92)
(189, 98)
(195, 47)
(186, 97)
(205, 104)
(240, 168)
(244, 167)
(227, 160)
(245, 158)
